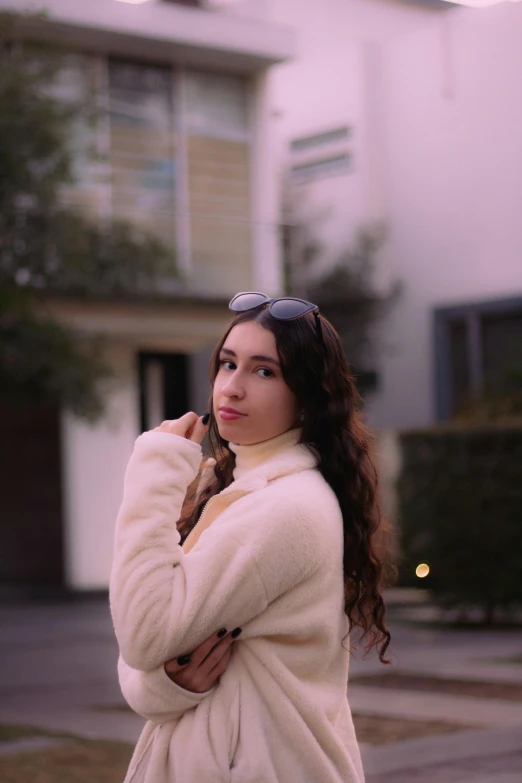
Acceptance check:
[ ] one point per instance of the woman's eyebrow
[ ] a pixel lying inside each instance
(256, 358)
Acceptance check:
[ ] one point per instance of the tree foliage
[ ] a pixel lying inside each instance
(499, 402)
(344, 288)
(460, 499)
(47, 247)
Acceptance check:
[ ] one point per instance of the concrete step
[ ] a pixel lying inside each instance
(29, 745)
(414, 705)
(389, 762)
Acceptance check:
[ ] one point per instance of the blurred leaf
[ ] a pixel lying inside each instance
(346, 293)
(460, 510)
(40, 359)
(46, 248)
(499, 403)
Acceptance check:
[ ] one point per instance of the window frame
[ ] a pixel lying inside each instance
(471, 313)
(179, 81)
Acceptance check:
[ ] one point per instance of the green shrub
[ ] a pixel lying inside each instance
(460, 511)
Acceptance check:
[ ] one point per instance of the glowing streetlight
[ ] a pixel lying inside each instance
(422, 570)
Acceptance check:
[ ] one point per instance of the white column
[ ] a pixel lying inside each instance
(94, 458)
(154, 385)
(267, 266)
(373, 133)
(183, 239)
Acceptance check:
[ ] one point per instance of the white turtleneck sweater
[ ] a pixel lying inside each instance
(252, 456)
(266, 555)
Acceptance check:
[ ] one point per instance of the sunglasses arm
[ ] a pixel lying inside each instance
(318, 327)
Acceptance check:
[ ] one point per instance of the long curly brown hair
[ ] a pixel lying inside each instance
(333, 428)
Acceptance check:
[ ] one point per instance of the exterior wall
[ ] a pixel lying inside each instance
(325, 87)
(94, 456)
(226, 227)
(168, 31)
(189, 156)
(94, 459)
(454, 163)
(431, 92)
(267, 269)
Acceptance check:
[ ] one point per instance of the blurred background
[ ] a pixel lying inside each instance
(158, 156)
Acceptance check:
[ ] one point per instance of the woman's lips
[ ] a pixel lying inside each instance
(229, 416)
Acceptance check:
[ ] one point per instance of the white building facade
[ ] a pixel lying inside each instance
(407, 112)
(183, 149)
(398, 111)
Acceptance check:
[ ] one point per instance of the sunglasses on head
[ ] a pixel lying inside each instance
(286, 308)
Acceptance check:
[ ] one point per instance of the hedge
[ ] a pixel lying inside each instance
(460, 512)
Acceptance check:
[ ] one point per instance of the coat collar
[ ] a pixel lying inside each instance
(290, 459)
(285, 459)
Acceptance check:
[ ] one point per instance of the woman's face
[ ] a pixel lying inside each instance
(250, 382)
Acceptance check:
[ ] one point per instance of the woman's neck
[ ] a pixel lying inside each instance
(250, 457)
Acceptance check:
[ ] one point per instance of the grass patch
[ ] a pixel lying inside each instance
(76, 761)
(11, 732)
(505, 691)
(515, 659)
(380, 730)
(105, 761)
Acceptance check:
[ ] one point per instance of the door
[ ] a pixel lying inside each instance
(164, 393)
(31, 532)
(172, 384)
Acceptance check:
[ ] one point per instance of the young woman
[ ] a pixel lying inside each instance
(279, 537)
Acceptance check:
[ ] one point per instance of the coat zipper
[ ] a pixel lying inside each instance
(201, 516)
(199, 520)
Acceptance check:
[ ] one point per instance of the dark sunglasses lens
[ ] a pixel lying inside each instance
(289, 308)
(246, 302)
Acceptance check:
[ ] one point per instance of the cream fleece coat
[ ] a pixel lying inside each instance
(266, 555)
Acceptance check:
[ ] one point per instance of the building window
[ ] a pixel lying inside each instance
(142, 146)
(322, 167)
(76, 83)
(173, 156)
(217, 131)
(320, 139)
(321, 155)
(478, 348)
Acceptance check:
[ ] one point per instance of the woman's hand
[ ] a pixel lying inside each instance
(189, 426)
(205, 665)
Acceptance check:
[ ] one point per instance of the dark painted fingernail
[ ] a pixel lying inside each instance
(235, 633)
(206, 417)
(222, 633)
(183, 660)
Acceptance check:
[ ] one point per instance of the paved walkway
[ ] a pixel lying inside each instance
(467, 710)
(28, 745)
(58, 668)
(454, 758)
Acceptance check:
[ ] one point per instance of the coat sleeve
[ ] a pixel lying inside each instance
(164, 601)
(154, 695)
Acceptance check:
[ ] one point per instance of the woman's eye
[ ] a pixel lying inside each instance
(228, 365)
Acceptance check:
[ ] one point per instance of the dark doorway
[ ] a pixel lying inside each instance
(31, 529)
(164, 387)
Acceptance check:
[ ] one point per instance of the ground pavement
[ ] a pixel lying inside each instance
(58, 672)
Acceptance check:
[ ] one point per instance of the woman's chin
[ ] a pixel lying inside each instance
(227, 429)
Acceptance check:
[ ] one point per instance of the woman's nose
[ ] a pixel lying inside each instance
(233, 387)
